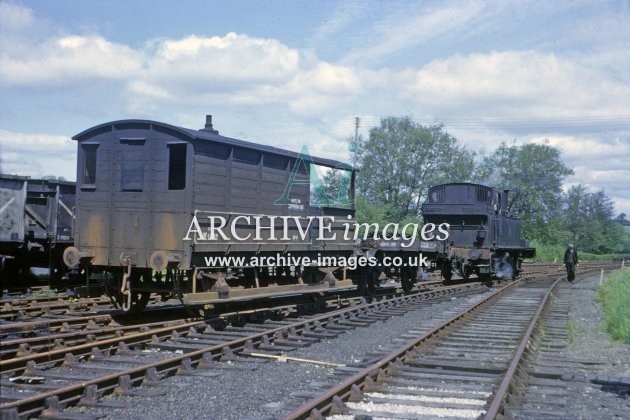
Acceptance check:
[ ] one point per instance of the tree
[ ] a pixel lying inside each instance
(401, 159)
(589, 221)
(330, 187)
(533, 173)
(621, 218)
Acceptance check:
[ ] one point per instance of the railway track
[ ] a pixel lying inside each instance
(552, 377)
(464, 367)
(79, 373)
(33, 308)
(48, 340)
(141, 354)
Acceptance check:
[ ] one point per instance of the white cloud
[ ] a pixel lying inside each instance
(598, 163)
(32, 56)
(410, 28)
(14, 18)
(237, 70)
(522, 83)
(37, 155)
(325, 86)
(595, 148)
(288, 94)
(345, 14)
(33, 139)
(221, 61)
(63, 61)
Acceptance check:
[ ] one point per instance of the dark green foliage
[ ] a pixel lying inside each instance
(589, 222)
(533, 173)
(402, 159)
(626, 239)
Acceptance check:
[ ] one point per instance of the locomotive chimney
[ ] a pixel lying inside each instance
(208, 126)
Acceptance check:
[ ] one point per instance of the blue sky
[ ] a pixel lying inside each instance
(288, 73)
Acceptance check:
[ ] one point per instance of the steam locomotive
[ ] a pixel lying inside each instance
(484, 239)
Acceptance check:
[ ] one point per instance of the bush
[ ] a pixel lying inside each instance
(584, 256)
(548, 252)
(614, 295)
(556, 253)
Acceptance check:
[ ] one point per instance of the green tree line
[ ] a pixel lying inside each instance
(401, 159)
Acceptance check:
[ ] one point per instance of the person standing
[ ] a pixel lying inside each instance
(570, 261)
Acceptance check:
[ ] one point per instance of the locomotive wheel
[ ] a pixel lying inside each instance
(486, 279)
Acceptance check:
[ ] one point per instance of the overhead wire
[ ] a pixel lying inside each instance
(602, 123)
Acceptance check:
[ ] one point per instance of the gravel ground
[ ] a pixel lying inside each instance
(589, 341)
(272, 388)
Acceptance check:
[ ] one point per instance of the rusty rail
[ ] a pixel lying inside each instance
(35, 404)
(325, 403)
(498, 399)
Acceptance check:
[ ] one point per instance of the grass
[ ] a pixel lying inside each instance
(549, 253)
(573, 331)
(614, 295)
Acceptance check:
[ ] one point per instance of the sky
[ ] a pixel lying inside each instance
(292, 73)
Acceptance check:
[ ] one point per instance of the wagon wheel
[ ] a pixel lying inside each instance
(407, 277)
(139, 301)
(446, 271)
(465, 271)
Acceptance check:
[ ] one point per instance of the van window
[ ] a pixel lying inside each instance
(177, 166)
(89, 163)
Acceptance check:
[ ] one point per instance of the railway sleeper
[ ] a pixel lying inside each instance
(186, 368)
(126, 387)
(92, 398)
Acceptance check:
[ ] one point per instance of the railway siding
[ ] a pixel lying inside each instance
(182, 352)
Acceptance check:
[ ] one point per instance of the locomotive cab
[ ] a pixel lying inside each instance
(483, 238)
